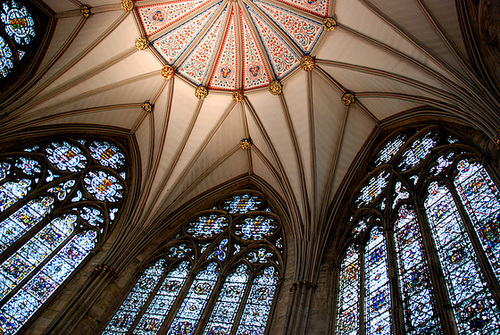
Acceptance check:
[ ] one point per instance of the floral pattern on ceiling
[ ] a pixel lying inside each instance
(230, 45)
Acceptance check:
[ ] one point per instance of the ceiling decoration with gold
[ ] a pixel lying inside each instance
(385, 61)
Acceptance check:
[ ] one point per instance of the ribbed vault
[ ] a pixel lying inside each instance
(393, 56)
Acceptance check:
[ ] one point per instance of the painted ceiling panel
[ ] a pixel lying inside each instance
(226, 72)
(155, 18)
(318, 7)
(299, 28)
(175, 42)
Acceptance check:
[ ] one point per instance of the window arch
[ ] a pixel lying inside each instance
(219, 274)
(58, 200)
(426, 215)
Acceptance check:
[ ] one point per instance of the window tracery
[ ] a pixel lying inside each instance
(50, 220)
(427, 199)
(219, 274)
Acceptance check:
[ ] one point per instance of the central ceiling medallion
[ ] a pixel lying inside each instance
(234, 45)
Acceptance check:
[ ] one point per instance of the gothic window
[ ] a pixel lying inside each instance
(427, 215)
(219, 274)
(58, 200)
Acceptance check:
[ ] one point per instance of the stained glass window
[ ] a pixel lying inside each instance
(446, 212)
(18, 30)
(56, 237)
(348, 307)
(218, 298)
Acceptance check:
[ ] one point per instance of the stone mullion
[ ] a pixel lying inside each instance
(273, 306)
(398, 320)
(481, 257)
(243, 303)
(177, 304)
(440, 290)
(38, 268)
(207, 311)
(149, 299)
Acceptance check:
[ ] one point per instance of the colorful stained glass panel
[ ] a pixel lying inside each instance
(130, 308)
(103, 186)
(6, 58)
(206, 226)
(419, 149)
(378, 303)
(189, 313)
(241, 204)
(107, 154)
(18, 22)
(256, 228)
(66, 157)
(474, 308)
(421, 316)
(348, 303)
(390, 149)
(373, 189)
(158, 309)
(481, 199)
(258, 305)
(226, 306)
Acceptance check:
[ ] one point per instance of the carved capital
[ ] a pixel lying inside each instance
(102, 268)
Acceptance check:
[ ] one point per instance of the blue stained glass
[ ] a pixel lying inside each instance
(62, 190)
(373, 189)
(256, 228)
(16, 225)
(441, 163)
(360, 227)
(240, 204)
(258, 305)
(378, 303)
(157, 311)
(66, 157)
(220, 252)
(35, 251)
(28, 166)
(12, 191)
(125, 316)
(179, 251)
(348, 302)
(401, 194)
(92, 215)
(189, 313)
(107, 154)
(262, 255)
(38, 289)
(390, 149)
(474, 308)
(51, 176)
(6, 58)
(19, 23)
(206, 226)
(103, 186)
(226, 306)
(418, 297)
(21, 54)
(481, 199)
(4, 170)
(419, 149)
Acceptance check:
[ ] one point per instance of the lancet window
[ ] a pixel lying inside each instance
(218, 275)
(58, 200)
(427, 215)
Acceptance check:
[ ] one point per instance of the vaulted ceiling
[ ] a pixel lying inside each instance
(394, 56)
